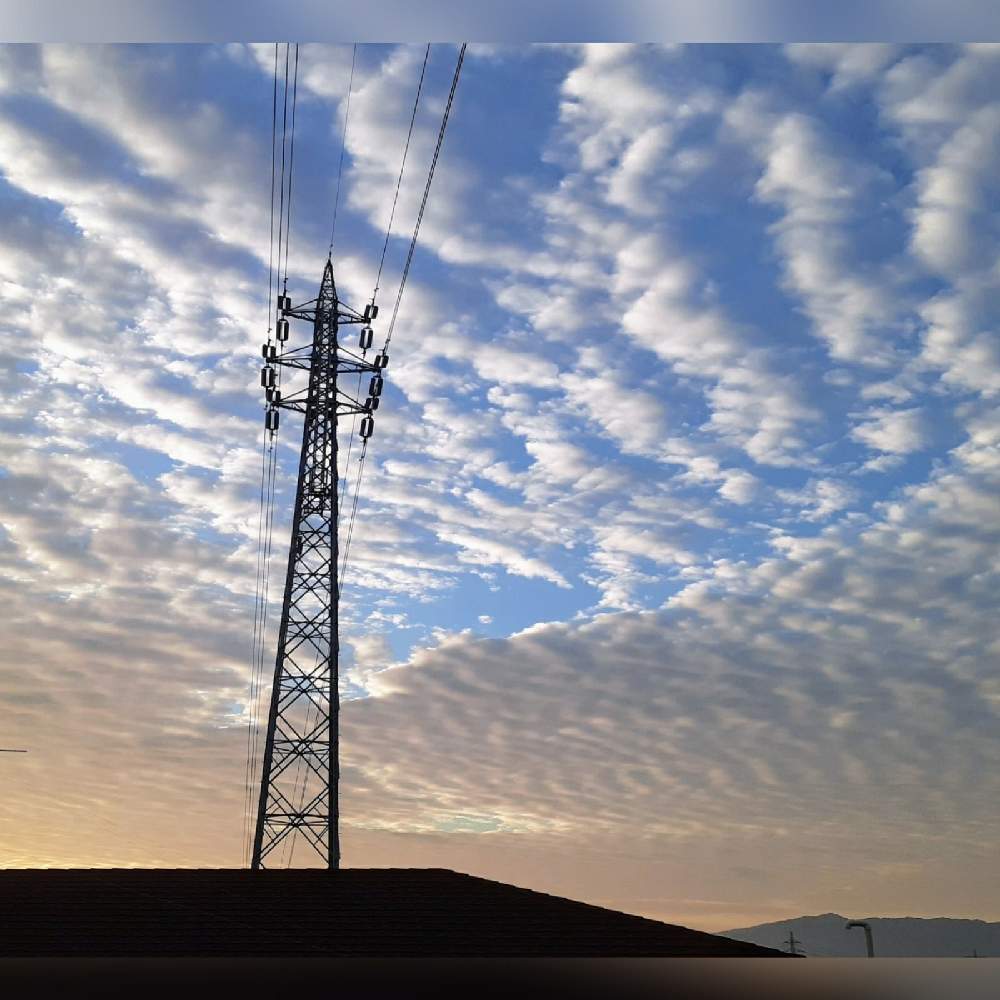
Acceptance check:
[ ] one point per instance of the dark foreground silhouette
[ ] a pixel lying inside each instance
(354, 912)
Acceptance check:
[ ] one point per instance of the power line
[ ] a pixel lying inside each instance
(354, 510)
(343, 146)
(406, 268)
(423, 201)
(291, 159)
(265, 588)
(399, 180)
(284, 133)
(261, 519)
(385, 247)
(265, 528)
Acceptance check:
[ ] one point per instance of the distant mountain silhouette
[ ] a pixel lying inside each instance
(825, 936)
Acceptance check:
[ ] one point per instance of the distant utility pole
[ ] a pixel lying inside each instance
(792, 944)
(868, 934)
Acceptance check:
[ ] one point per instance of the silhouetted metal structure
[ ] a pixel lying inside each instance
(299, 779)
(870, 947)
(793, 945)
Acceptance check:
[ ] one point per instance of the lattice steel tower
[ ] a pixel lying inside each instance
(299, 778)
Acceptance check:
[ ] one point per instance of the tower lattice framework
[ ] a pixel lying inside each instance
(300, 773)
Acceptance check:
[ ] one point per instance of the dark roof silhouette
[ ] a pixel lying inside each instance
(354, 912)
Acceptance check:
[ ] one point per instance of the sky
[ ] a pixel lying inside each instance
(674, 577)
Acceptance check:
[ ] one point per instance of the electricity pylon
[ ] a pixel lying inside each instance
(300, 774)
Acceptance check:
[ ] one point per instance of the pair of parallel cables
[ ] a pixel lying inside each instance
(265, 522)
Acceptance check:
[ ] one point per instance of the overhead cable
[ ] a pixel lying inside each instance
(423, 200)
(343, 146)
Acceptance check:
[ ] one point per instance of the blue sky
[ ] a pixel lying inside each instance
(690, 432)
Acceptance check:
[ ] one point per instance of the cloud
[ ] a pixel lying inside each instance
(707, 723)
(949, 119)
(848, 64)
(824, 195)
(606, 425)
(820, 498)
(739, 487)
(895, 431)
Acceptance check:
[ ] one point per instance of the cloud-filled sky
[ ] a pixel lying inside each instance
(674, 579)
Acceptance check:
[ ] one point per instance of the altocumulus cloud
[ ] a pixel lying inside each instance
(679, 538)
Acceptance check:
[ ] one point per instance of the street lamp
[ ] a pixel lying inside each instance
(868, 934)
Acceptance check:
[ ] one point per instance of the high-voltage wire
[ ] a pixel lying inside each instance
(409, 255)
(284, 133)
(427, 189)
(291, 159)
(254, 678)
(385, 247)
(399, 180)
(284, 213)
(343, 146)
(265, 528)
(354, 510)
(271, 464)
(267, 455)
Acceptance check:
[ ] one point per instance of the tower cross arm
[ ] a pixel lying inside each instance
(293, 359)
(308, 310)
(349, 367)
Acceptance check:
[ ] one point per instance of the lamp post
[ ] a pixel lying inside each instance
(868, 934)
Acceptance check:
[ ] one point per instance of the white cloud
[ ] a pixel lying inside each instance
(948, 117)
(821, 193)
(739, 487)
(583, 396)
(896, 431)
(848, 63)
(640, 709)
(820, 498)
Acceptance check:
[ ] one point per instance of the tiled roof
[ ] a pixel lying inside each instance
(359, 912)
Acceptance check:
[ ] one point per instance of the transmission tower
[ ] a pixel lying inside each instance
(793, 945)
(300, 773)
